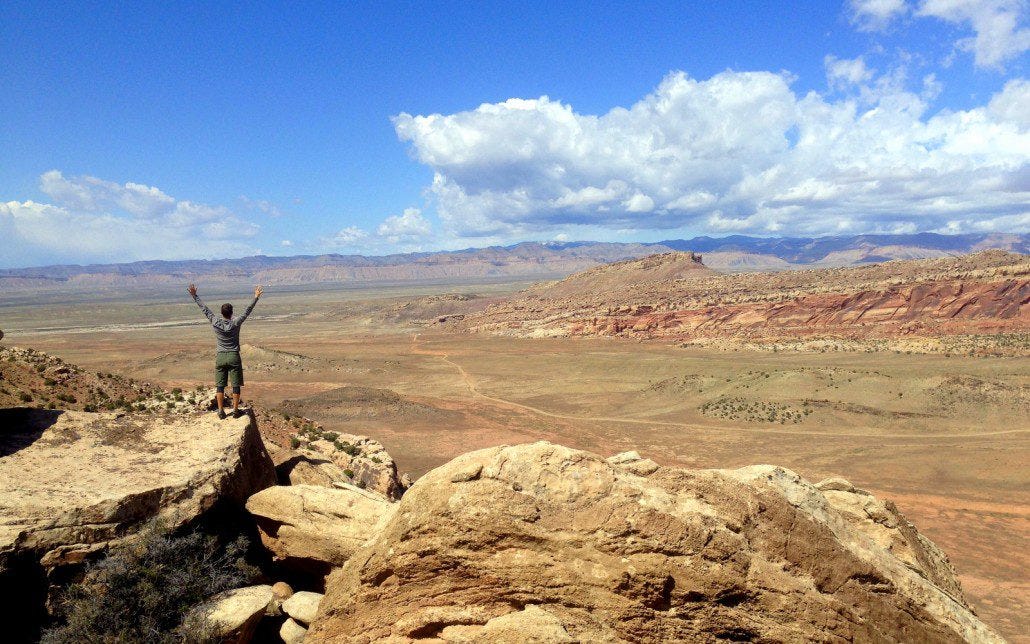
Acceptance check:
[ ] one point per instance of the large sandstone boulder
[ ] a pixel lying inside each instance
(71, 483)
(544, 543)
(313, 528)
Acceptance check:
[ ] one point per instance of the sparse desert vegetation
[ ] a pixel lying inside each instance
(735, 408)
(143, 591)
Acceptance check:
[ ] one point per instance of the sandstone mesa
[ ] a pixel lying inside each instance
(673, 297)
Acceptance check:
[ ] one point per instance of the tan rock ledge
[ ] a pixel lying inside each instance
(72, 482)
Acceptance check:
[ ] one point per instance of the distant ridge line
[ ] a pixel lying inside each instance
(528, 259)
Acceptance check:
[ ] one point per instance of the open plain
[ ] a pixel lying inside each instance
(945, 436)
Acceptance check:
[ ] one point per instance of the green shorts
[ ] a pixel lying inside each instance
(228, 369)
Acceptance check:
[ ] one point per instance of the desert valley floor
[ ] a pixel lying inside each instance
(946, 437)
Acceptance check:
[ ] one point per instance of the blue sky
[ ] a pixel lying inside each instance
(173, 130)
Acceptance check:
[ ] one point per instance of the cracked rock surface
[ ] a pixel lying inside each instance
(73, 482)
(540, 542)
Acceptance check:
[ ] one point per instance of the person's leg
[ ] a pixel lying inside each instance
(236, 378)
(221, 380)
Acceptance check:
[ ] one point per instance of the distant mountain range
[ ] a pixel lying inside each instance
(529, 260)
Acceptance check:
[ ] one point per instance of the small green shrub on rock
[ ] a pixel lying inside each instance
(347, 448)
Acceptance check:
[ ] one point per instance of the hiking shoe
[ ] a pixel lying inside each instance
(221, 414)
(237, 413)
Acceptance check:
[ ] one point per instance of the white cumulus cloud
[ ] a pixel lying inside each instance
(406, 226)
(999, 27)
(739, 151)
(91, 194)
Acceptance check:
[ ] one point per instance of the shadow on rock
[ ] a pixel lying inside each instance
(21, 426)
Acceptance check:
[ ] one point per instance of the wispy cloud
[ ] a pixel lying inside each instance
(95, 220)
(347, 237)
(261, 205)
(875, 15)
(1000, 33)
(999, 27)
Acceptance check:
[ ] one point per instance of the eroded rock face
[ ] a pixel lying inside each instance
(882, 522)
(364, 462)
(313, 528)
(550, 543)
(73, 482)
(309, 470)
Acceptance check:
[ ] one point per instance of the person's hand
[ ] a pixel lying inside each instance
(192, 288)
(257, 292)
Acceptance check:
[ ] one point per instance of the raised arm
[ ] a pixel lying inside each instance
(257, 295)
(203, 307)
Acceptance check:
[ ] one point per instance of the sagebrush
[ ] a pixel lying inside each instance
(143, 591)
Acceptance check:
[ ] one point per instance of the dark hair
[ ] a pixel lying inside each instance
(227, 310)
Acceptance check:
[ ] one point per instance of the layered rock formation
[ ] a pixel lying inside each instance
(544, 543)
(74, 483)
(986, 292)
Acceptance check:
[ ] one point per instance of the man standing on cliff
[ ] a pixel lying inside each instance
(228, 365)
